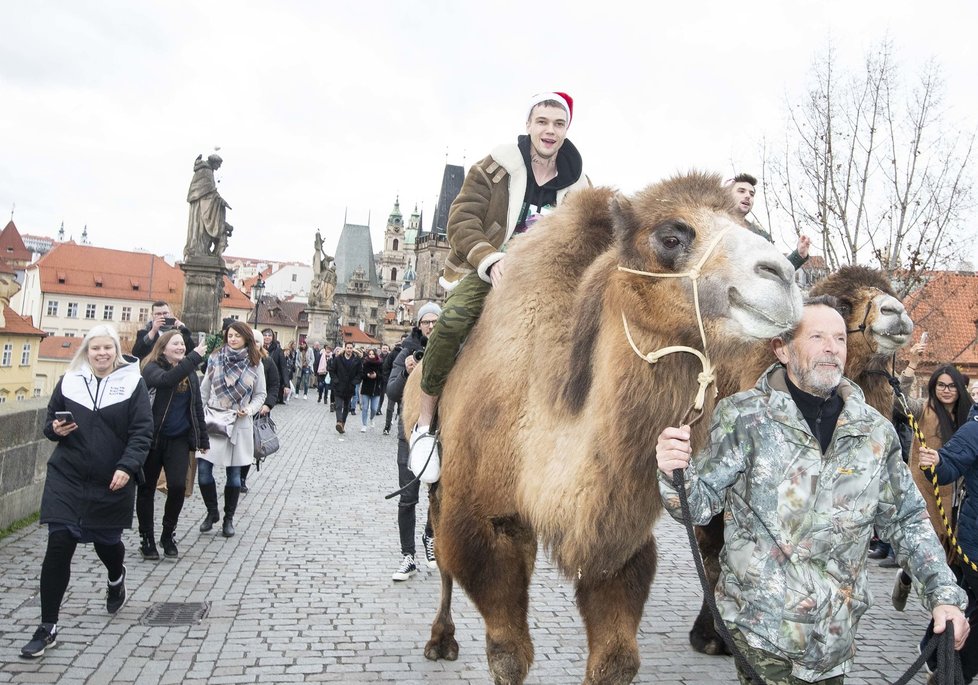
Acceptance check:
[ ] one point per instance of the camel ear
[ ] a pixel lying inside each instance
(623, 217)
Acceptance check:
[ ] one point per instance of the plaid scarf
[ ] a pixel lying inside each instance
(232, 377)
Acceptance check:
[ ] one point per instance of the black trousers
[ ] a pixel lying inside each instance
(171, 455)
(343, 407)
(389, 416)
(56, 569)
(408, 501)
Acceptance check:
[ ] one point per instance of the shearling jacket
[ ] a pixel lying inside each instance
(798, 523)
(485, 213)
(115, 427)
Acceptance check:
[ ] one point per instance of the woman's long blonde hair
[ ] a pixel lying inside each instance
(103, 330)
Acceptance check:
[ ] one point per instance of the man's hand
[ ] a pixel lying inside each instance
(409, 363)
(804, 243)
(672, 451)
(157, 325)
(496, 273)
(948, 612)
(929, 457)
(119, 480)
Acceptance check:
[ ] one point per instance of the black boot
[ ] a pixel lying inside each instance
(168, 543)
(208, 491)
(230, 506)
(147, 547)
(244, 479)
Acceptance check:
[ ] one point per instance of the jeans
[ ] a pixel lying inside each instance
(205, 474)
(321, 386)
(303, 383)
(371, 402)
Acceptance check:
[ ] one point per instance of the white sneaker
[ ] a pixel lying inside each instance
(363, 429)
(424, 459)
(407, 569)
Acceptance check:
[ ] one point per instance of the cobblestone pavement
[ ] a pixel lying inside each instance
(304, 593)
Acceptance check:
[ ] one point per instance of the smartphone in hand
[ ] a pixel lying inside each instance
(64, 416)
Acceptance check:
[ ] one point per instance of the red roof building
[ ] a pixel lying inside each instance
(946, 306)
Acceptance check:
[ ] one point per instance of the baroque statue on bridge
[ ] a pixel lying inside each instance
(207, 228)
(323, 276)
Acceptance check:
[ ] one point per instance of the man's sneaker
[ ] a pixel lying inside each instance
(115, 595)
(406, 569)
(169, 545)
(148, 548)
(429, 551)
(901, 591)
(424, 460)
(339, 427)
(45, 636)
(363, 429)
(387, 431)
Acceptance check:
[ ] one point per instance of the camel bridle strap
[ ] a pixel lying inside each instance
(708, 375)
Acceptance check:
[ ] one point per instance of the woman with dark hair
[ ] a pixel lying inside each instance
(370, 389)
(944, 410)
(100, 418)
(271, 396)
(233, 391)
(179, 429)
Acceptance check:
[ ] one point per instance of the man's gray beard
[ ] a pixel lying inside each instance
(814, 382)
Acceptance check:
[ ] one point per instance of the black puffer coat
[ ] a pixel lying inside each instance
(115, 428)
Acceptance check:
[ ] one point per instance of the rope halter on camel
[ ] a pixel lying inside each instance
(708, 375)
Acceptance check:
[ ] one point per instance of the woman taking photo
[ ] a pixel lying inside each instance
(179, 429)
(233, 391)
(370, 389)
(99, 415)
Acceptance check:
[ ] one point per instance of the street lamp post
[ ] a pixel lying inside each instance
(257, 290)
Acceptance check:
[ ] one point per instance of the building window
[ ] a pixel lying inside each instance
(21, 396)
(127, 313)
(373, 312)
(395, 249)
(8, 352)
(37, 392)
(25, 355)
(353, 311)
(89, 311)
(3, 399)
(72, 310)
(108, 311)
(372, 329)
(69, 334)
(295, 277)
(52, 307)
(393, 274)
(143, 314)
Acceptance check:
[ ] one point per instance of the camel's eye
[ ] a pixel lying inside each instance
(671, 241)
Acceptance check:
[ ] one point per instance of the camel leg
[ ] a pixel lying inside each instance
(612, 609)
(442, 644)
(704, 637)
(492, 559)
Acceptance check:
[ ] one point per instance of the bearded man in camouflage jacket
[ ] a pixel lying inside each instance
(804, 469)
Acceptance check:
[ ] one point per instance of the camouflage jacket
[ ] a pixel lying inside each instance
(798, 523)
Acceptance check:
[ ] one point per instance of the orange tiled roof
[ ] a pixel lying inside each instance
(59, 347)
(100, 272)
(946, 306)
(12, 247)
(15, 324)
(354, 335)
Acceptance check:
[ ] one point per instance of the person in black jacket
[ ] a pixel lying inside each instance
(412, 349)
(271, 389)
(170, 373)
(161, 321)
(386, 372)
(277, 356)
(91, 476)
(346, 371)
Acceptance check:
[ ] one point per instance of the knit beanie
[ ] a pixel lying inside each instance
(566, 100)
(429, 308)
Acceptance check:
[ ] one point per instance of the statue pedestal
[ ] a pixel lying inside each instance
(203, 292)
(322, 325)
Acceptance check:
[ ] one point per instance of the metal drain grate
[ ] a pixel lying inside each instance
(175, 613)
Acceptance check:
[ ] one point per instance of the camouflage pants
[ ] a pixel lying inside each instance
(773, 669)
(462, 309)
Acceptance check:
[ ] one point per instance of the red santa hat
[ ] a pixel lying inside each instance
(563, 98)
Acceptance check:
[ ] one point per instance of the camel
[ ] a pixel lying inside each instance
(878, 327)
(550, 416)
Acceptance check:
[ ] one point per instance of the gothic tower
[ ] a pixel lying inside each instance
(395, 258)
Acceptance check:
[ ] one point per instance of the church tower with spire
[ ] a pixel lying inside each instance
(395, 259)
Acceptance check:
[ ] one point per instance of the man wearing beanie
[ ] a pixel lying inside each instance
(502, 197)
(412, 348)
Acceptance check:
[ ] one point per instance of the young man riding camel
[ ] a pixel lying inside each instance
(502, 197)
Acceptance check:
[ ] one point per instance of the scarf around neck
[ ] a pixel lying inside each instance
(233, 377)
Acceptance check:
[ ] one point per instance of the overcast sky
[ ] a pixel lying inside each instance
(326, 108)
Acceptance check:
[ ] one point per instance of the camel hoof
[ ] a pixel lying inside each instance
(506, 668)
(712, 645)
(446, 648)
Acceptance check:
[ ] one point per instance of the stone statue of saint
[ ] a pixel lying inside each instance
(207, 229)
(323, 276)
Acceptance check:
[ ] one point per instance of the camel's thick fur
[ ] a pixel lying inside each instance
(549, 418)
(878, 325)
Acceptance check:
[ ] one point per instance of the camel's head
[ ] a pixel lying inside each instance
(877, 321)
(746, 287)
